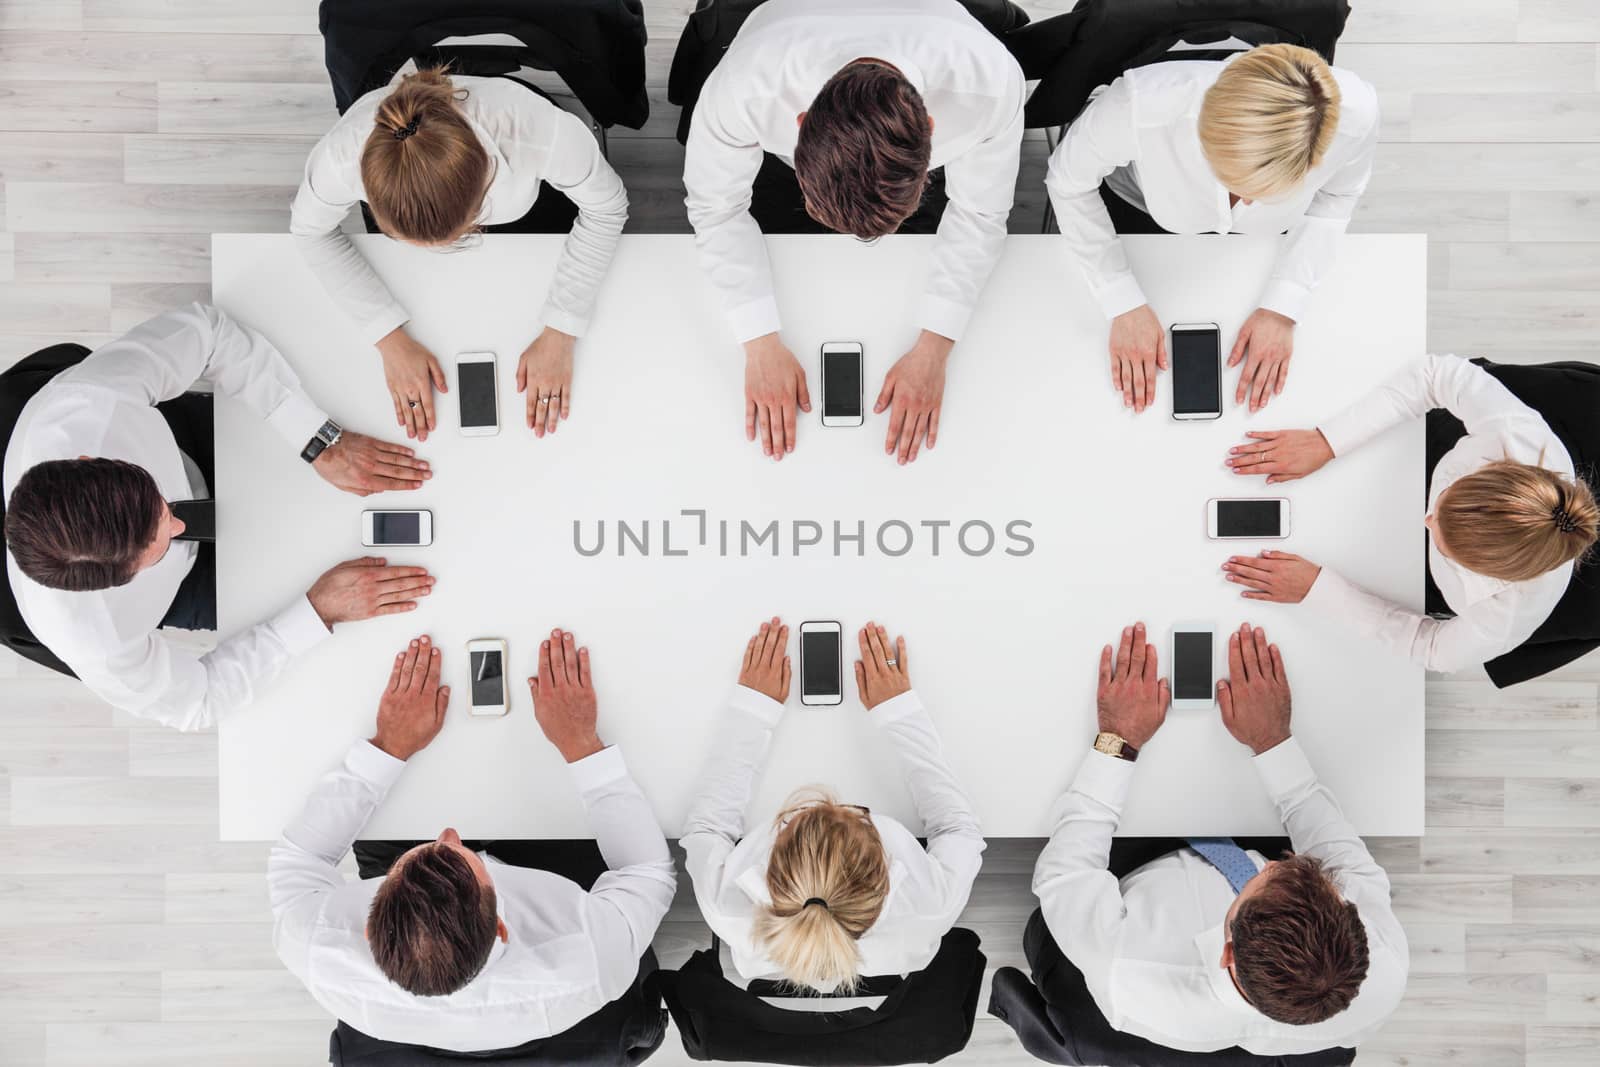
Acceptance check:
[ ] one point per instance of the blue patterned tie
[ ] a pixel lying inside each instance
(1227, 857)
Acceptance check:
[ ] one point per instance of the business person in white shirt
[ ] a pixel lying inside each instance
(862, 100)
(454, 949)
(91, 557)
(1210, 946)
(826, 893)
(1271, 140)
(437, 158)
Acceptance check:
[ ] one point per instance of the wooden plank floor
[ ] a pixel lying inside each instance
(131, 129)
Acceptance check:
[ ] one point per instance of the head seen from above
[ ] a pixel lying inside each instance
(1515, 521)
(424, 170)
(1269, 120)
(433, 921)
(828, 876)
(862, 154)
(85, 524)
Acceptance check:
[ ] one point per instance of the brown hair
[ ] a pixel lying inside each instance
(424, 170)
(1269, 119)
(82, 524)
(1299, 949)
(432, 923)
(1516, 521)
(862, 155)
(828, 876)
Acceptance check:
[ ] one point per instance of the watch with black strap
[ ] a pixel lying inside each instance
(326, 437)
(1115, 745)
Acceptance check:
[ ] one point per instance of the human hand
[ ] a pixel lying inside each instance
(766, 661)
(412, 373)
(1138, 350)
(363, 588)
(914, 388)
(1131, 700)
(1282, 455)
(364, 465)
(411, 710)
(1255, 695)
(545, 373)
(1265, 343)
(1281, 577)
(563, 698)
(882, 672)
(774, 384)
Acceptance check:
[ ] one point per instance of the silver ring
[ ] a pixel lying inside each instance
(891, 661)
(544, 400)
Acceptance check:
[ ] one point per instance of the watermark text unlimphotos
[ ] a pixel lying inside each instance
(695, 532)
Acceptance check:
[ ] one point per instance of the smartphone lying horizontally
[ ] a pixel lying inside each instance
(389, 528)
(1257, 518)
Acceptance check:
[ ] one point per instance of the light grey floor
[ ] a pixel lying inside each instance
(132, 129)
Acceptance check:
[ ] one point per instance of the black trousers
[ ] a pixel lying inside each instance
(1125, 218)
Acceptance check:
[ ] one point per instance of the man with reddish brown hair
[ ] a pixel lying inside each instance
(864, 99)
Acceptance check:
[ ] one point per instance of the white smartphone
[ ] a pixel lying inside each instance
(477, 392)
(1256, 518)
(1196, 371)
(1191, 665)
(821, 663)
(486, 658)
(384, 528)
(842, 383)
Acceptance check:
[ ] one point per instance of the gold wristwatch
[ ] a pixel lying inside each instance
(1114, 745)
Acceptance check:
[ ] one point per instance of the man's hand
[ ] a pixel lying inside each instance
(563, 698)
(914, 387)
(882, 671)
(411, 710)
(774, 384)
(1138, 350)
(362, 588)
(545, 373)
(1281, 577)
(364, 465)
(412, 373)
(1132, 702)
(1265, 343)
(1255, 695)
(1282, 455)
(766, 661)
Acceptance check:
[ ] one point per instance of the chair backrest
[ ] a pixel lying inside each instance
(1072, 54)
(923, 1017)
(595, 46)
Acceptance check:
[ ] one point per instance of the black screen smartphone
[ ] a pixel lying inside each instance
(1196, 371)
(841, 384)
(475, 385)
(821, 663)
(1250, 518)
(1191, 667)
(488, 678)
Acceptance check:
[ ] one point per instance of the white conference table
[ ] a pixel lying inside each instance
(1003, 648)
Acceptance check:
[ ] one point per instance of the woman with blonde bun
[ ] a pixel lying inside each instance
(826, 893)
(1509, 523)
(438, 158)
(1267, 141)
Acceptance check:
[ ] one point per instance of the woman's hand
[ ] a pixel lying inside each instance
(1281, 577)
(766, 664)
(412, 373)
(1265, 343)
(545, 374)
(881, 672)
(1282, 455)
(1138, 349)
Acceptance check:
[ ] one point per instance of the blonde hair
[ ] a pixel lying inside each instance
(828, 876)
(424, 170)
(1516, 521)
(1269, 119)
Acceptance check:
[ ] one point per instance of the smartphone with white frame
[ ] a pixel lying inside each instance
(486, 659)
(478, 394)
(1252, 518)
(843, 379)
(384, 529)
(1196, 352)
(821, 663)
(1192, 666)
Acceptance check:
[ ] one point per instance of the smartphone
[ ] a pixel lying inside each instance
(477, 393)
(486, 658)
(1196, 371)
(842, 403)
(1261, 518)
(1193, 685)
(380, 528)
(821, 663)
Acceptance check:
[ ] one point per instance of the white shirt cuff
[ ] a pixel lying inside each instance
(1345, 432)
(565, 321)
(299, 627)
(755, 319)
(760, 705)
(1105, 779)
(1284, 769)
(1328, 594)
(297, 419)
(372, 764)
(391, 319)
(895, 708)
(599, 769)
(1286, 298)
(1121, 296)
(943, 317)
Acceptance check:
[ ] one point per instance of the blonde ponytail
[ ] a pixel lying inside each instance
(1515, 521)
(424, 170)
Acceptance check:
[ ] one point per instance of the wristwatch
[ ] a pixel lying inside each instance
(1114, 745)
(326, 437)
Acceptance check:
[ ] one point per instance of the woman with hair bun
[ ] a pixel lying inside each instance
(437, 159)
(1510, 519)
(827, 893)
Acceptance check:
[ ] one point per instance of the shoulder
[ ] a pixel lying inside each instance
(1358, 104)
(1166, 92)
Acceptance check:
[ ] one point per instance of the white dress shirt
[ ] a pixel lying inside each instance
(568, 953)
(1142, 135)
(1150, 948)
(105, 408)
(927, 887)
(783, 54)
(529, 140)
(1492, 616)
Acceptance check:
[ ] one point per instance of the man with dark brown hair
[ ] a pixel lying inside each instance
(863, 100)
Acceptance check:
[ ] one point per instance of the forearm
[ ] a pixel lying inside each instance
(352, 284)
(306, 858)
(583, 174)
(1308, 253)
(1434, 644)
(955, 839)
(728, 776)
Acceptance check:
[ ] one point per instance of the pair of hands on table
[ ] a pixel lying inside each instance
(881, 672)
(1139, 351)
(1282, 456)
(411, 710)
(1132, 699)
